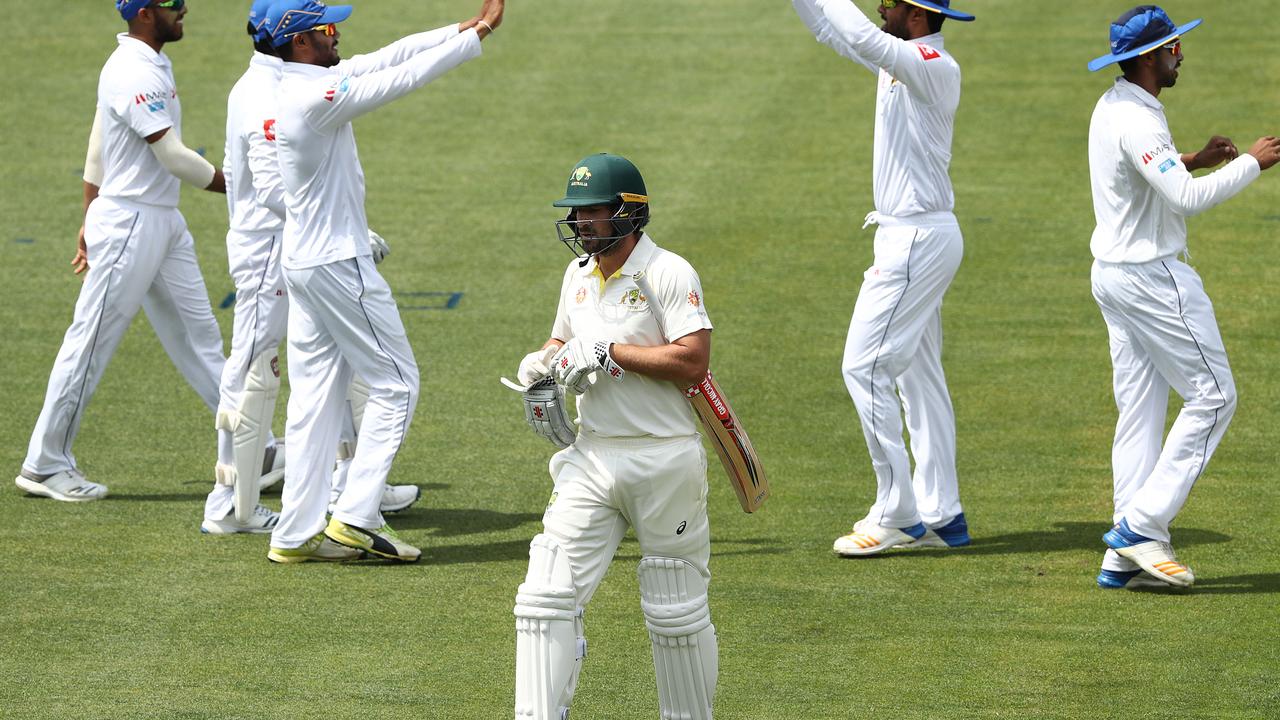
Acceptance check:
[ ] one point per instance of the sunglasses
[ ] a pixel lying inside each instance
(329, 29)
(174, 5)
(1174, 48)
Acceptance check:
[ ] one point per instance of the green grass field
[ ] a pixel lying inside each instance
(756, 144)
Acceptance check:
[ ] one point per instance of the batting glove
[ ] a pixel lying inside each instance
(379, 247)
(535, 366)
(580, 357)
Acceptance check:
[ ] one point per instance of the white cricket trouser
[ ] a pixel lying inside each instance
(139, 256)
(1163, 335)
(894, 350)
(602, 486)
(261, 317)
(342, 319)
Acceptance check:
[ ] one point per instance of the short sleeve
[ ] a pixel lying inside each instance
(145, 103)
(560, 329)
(680, 299)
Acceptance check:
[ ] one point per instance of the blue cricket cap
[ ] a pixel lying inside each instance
(943, 7)
(287, 18)
(258, 18)
(129, 8)
(1138, 32)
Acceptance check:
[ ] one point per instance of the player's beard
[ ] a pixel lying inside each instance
(1167, 71)
(898, 27)
(170, 28)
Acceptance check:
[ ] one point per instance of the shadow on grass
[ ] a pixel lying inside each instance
(155, 497)
(1236, 585)
(1071, 536)
(480, 553)
(451, 522)
(630, 548)
(1066, 536)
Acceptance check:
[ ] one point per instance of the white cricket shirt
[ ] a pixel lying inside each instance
(323, 180)
(255, 195)
(615, 310)
(1142, 193)
(136, 98)
(916, 101)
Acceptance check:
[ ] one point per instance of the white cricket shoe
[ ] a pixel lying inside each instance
(263, 520)
(398, 497)
(1154, 556)
(272, 466)
(67, 486)
(869, 538)
(382, 541)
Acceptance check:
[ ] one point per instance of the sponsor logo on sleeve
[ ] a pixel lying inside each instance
(338, 86)
(269, 129)
(1164, 166)
(1155, 152)
(694, 300)
(153, 100)
(582, 295)
(927, 52)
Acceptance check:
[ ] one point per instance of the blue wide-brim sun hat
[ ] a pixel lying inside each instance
(287, 18)
(941, 6)
(1140, 31)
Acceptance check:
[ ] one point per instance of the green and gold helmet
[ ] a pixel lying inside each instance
(603, 179)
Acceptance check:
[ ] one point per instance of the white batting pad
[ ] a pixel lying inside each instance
(673, 596)
(249, 426)
(549, 636)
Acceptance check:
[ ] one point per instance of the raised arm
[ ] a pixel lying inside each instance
(917, 66)
(399, 51)
(825, 34)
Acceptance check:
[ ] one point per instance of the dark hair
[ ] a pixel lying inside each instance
(285, 51)
(264, 45)
(1130, 65)
(935, 22)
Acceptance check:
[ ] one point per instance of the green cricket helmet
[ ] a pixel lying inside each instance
(603, 179)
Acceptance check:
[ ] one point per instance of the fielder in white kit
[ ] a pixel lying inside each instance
(342, 317)
(1162, 328)
(637, 460)
(894, 347)
(134, 246)
(251, 378)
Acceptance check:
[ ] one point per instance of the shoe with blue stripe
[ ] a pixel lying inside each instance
(954, 534)
(1127, 579)
(1154, 556)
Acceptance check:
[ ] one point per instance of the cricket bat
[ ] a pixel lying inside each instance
(723, 429)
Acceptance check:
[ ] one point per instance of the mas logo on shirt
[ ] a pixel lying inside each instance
(153, 100)
(927, 52)
(338, 86)
(1164, 166)
(694, 300)
(269, 129)
(582, 295)
(1155, 152)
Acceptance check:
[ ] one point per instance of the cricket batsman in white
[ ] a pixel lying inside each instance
(637, 459)
(893, 354)
(1161, 324)
(342, 317)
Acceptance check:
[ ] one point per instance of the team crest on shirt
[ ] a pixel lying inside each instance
(927, 52)
(694, 300)
(634, 300)
(582, 295)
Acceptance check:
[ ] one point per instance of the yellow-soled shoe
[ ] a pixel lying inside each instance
(317, 549)
(382, 542)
